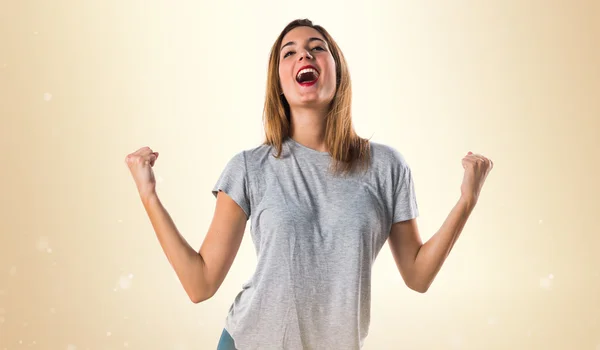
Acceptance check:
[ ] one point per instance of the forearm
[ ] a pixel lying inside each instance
(433, 253)
(186, 262)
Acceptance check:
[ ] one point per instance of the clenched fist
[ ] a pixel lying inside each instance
(477, 167)
(140, 164)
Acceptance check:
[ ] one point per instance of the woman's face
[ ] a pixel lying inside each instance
(306, 86)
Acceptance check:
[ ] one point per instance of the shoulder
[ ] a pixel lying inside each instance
(251, 156)
(257, 154)
(385, 156)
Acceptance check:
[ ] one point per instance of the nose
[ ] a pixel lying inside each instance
(305, 54)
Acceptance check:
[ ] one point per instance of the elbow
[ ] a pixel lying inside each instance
(419, 286)
(199, 295)
(197, 300)
(421, 290)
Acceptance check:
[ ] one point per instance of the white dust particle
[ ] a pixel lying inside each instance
(108, 334)
(540, 222)
(492, 320)
(47, 96)
(71, 347)
(2, 319)
(35, 33)
(120, 221)
(52, 310)
(546, 282)
(125, 344)
(13, 271)
(125, 281)
(43, 244)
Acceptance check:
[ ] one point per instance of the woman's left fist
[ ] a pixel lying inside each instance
(477, 167)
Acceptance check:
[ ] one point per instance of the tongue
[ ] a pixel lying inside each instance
(307, 77)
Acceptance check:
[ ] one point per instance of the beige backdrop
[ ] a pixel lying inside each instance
(84, 83)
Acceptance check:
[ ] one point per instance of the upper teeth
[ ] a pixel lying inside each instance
(306, 70)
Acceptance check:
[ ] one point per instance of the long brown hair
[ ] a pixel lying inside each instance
(347, 149)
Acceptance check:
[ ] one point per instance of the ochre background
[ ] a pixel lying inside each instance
(84, 83)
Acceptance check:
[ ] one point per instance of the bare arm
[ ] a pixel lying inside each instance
(223, 240)
(419, 263)
(200, 273)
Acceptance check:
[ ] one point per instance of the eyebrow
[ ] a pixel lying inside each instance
(309, 40)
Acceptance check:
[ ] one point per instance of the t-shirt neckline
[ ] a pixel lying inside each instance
(298, 146)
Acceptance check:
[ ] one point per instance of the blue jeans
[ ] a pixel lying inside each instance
(226, 341)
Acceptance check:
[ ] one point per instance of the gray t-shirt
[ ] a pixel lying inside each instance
(316, 237)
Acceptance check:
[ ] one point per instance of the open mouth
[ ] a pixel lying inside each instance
(307, 76)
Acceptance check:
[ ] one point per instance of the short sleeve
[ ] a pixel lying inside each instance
(404, 198)
(234, 182)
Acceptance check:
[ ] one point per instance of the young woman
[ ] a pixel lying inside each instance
(322, 202)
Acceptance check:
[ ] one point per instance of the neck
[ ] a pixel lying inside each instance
(308, 127)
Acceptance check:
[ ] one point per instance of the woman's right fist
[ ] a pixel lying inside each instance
(140, 165)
